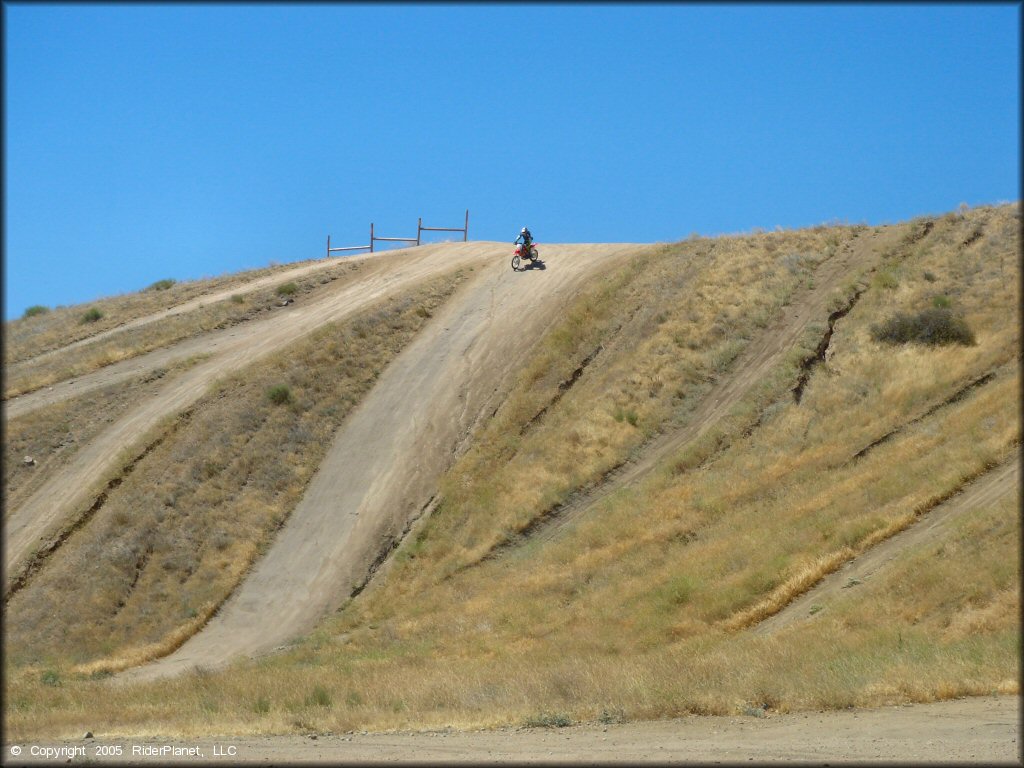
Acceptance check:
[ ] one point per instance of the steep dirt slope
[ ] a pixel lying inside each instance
(986, 490)
(383, 467)
(55, 506)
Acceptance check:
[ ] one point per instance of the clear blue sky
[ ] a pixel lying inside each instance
(151, 141)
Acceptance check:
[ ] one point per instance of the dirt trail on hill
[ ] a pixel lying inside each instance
(383, 467)
(40, 520)
(373, 278)
(984, 491)
(754, 363)
(981, 730)
(187, 306)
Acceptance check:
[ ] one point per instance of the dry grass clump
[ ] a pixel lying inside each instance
(52, 435)
(174, 538)
(42, 331)
(132, 342)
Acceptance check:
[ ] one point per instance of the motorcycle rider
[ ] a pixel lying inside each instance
(527, 239)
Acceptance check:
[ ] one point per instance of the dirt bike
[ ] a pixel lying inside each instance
(523, 253)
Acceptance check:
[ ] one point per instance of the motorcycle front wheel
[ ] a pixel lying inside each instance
(516, 262)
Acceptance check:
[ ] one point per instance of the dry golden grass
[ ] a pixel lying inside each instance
(635, 610)
(52, 435)
(26, 337)
(172, 541)
(132, 342)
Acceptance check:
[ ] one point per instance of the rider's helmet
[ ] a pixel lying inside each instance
(523, 231)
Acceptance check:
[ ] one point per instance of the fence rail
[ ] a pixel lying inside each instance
(420, 229)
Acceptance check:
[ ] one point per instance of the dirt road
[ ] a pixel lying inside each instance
(975, 731)
(256, 284)
(59, 502)
(383, 466)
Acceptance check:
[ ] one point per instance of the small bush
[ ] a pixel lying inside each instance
(612, 716)
(930, 276)
(37, 309)
(50, 678)
(92, 316)
(933, 326)
(319, 697)
(547, 720)
(886, 279)
(261, 707)
(288, 289)
(942, 302)
(162, 285)
(628, 414)
(280, 394)
(237, 298)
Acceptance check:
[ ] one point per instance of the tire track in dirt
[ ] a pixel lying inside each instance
(188, 306)
(383, 466)
(212, 342)
(865, 252)
(984, 491)
(56, 505)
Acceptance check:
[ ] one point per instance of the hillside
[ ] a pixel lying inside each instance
(642, 481)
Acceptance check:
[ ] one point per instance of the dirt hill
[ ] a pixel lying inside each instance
(416, 489)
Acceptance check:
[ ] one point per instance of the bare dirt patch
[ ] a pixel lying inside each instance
(982, 730)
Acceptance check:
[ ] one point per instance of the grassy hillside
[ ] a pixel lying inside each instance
(43, 328)
(642, 605)
(40, 332)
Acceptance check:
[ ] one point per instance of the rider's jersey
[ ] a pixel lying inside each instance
(526, 237)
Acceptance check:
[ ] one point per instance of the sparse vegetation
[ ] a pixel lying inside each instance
(91, 315)
(548, 720)
(34, 374)
(59, 327)
(35, 310)
(162, 285)
(279, 394)
(288, 289)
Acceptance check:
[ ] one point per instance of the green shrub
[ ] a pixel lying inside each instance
(287, 289)
(548, 720)
(36, 309)
(932, 326)
(942, 302)
(886, 279)
(162, 285)
(279, 394)
(319, 697)
(92, 316)
(50, 678)
(261, 707)
(238, 298)
(930, 276)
